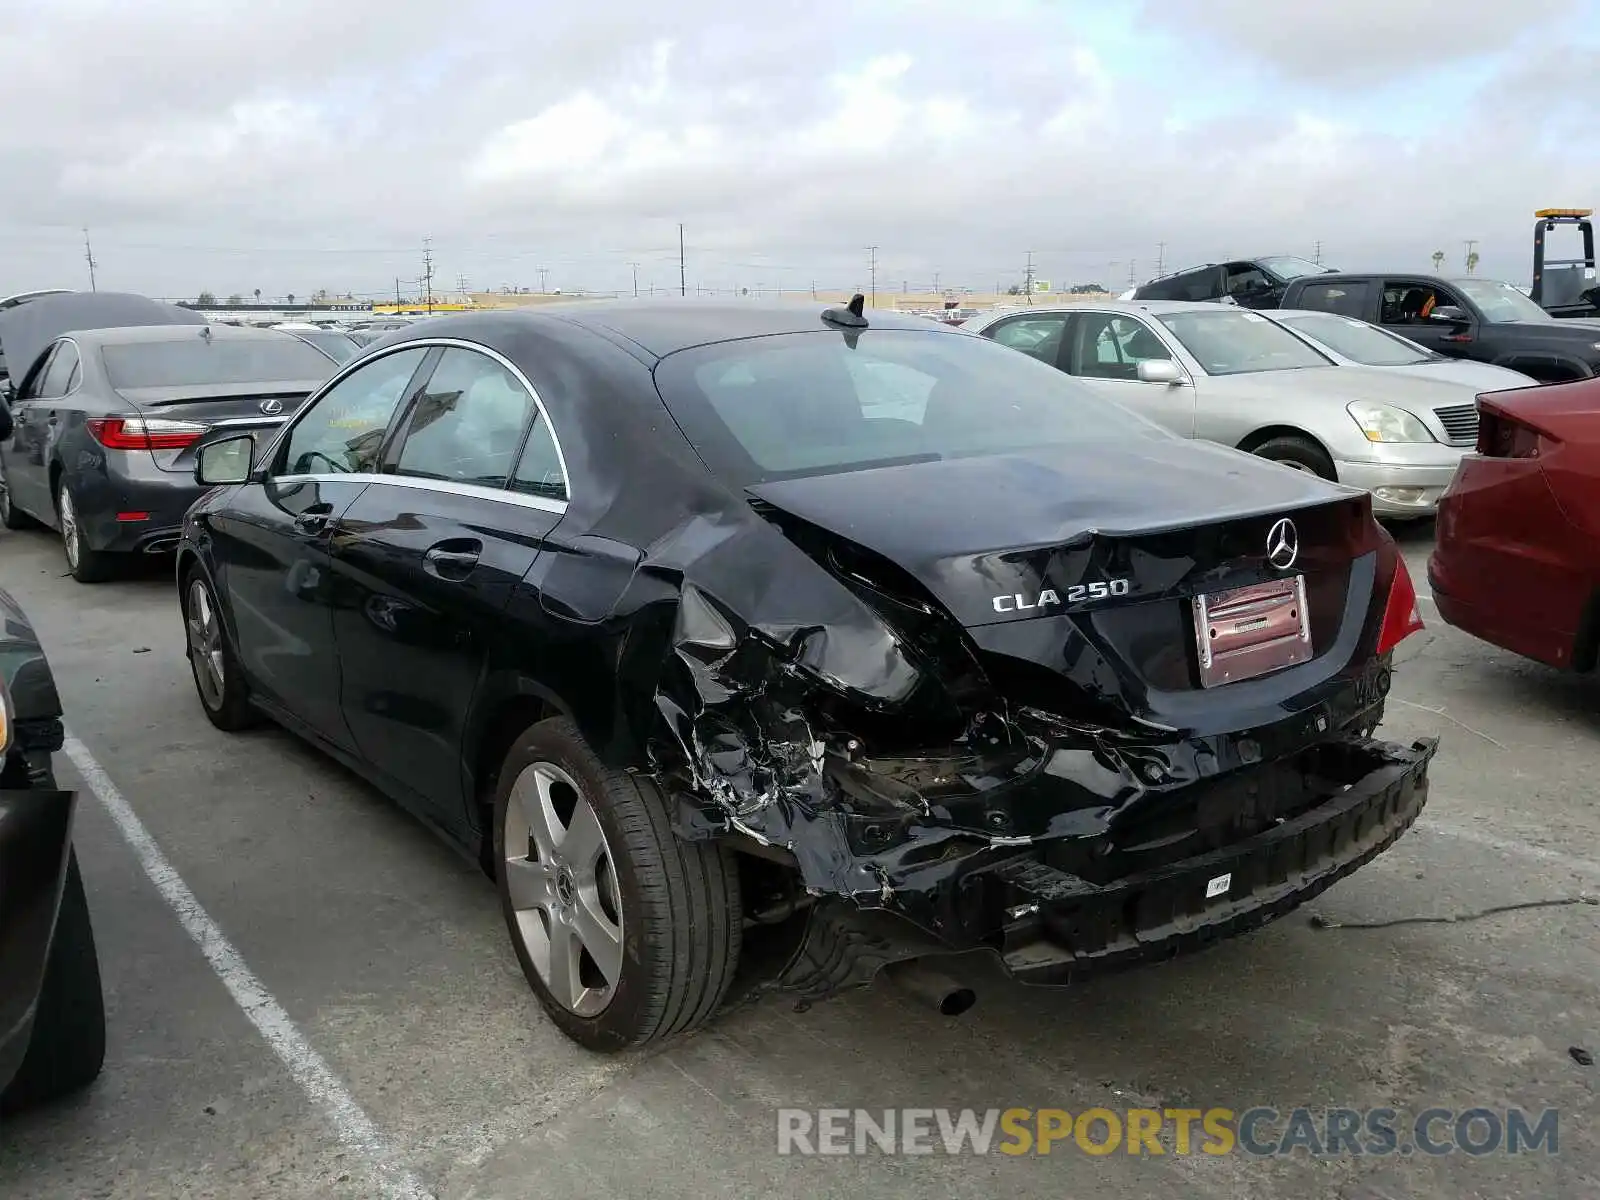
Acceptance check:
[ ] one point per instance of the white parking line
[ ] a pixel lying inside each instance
(393, 1180)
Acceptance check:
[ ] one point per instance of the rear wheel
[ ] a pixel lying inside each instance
(1301, 454)
(627, 933)
(11, 516)
(85, 564)
(217, 678)
(68, 1043)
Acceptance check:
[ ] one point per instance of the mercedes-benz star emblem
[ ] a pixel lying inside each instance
(1283, 544)
(272, 407)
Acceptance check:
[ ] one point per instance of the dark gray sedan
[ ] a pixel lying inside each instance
(107, 422)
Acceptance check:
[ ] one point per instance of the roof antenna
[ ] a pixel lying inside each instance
(851, 315)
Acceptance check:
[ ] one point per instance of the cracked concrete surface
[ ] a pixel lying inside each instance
(389, 954)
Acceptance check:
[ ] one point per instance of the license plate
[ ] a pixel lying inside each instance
(1249, 631)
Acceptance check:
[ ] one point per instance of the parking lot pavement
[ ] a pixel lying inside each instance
(387, 956)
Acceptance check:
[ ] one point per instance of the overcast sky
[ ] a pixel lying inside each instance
(290, 145)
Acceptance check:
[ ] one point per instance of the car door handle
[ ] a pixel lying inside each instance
(452, 560)
(314, 519)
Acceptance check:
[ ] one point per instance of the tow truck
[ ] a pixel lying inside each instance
(1565, 287)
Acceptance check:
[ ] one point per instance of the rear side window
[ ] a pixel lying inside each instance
(62, 372)
(1346, 299)
(202, 362)
(466, 422)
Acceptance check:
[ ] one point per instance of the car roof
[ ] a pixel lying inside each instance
(1153, 307)
(662, 327)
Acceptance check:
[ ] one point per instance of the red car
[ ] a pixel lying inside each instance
(1518, 556)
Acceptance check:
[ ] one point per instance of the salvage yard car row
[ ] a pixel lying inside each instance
(707, 626)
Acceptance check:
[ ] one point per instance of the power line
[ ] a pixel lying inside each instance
(88, 254)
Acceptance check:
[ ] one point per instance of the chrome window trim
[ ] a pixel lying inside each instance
(356, 364)
(239, 422)
(449, 487)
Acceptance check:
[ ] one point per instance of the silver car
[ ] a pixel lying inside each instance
(1234, 376)
(1355, 343)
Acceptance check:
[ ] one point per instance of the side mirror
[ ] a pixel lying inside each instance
(1159, 370)
(226, 461)
(1449, 314)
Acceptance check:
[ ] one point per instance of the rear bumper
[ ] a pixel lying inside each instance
(110, 508)
(35, 839)
(1051, 926)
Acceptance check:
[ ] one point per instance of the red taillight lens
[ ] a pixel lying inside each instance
(1499, 436)
(144, 433)
(1401, 617)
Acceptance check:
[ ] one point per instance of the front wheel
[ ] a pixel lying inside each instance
(1300, 454)
(627, 933)
(86, 565)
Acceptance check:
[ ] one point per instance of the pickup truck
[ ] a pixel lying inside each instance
(1483, 320)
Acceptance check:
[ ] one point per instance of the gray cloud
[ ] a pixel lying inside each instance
(298, 145)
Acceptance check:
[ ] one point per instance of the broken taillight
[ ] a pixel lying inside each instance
(144, 433)
(1401, 617)
(1500, 436)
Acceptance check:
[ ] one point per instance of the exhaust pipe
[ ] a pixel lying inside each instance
(935, 989)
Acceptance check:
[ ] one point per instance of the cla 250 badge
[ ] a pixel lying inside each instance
(1078, 592)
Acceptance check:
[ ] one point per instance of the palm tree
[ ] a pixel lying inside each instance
(258, 295)
(291, 297)
(1438, 260)
(1472, 261)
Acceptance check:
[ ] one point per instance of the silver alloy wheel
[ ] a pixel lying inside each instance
(1295, 466)
(205, 645)
(562, 882)
(69, 527)
(5, 499)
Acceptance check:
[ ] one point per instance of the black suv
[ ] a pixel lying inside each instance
(1483, 320)
(1248, 282)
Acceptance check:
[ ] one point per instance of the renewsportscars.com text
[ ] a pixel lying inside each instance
(1318, 1132)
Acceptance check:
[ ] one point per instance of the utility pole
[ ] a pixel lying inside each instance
(1472, 254)
(397, 289)
(1027, 279)
(461, 284)
(936, 281)
(872, 267)
(427, 270)
(1133, 270)
(1161, 259)
(683, 280)
(88, 254)
(1316, 256)
(635, 267)
(813, 289)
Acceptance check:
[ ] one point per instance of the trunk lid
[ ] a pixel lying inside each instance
(1035, 553)
(225, 409)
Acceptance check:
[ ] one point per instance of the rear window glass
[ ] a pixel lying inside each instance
(808, 403)
(202, 361)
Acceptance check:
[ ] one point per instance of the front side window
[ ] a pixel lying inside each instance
(467, 421)
(1500, 302)
(1247, 279)
(1038, 336)
(1108, 346)
(342, 430)
(1230, 341)
(811, 403)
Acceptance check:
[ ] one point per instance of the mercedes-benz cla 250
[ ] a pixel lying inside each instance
(718, 624)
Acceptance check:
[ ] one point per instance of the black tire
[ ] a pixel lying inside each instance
(679, 901)
(83, 564)
(227, 707)
(1300, 453)
(11, 516)
(68, 1044)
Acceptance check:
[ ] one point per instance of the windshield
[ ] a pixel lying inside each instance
(1229, 341)
(336, 344)
(808, 404)
(202, 362)
(1358, 341)
(1287, 267)
(1500, 302)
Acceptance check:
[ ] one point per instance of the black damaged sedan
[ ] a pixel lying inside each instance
(854, 636)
